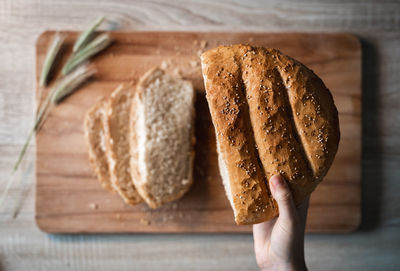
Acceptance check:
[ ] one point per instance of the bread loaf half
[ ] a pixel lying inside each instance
(116, 126)
(272, 115)
(162, 137)
(95, 136)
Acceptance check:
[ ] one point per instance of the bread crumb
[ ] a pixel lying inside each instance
(145, 222)
(164, 65)
(118, 216)
(177, 72)
(177, 50)
(168, 217)
(195, 42)
(194, 63)
(251, 39)
(93, 206)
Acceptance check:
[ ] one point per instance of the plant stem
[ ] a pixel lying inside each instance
(38, 121)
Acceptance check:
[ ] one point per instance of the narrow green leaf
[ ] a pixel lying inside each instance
(63, 88)
(94, 47)
(51, 55)
(71, 82)
(83, 51)
(86, 35)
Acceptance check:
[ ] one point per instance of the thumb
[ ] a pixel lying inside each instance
(283, 196)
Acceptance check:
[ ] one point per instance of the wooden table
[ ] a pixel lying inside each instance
(374, 247)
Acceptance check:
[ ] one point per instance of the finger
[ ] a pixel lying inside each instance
(303, 208)
(302, 212)
(281, 193)
(262, 232)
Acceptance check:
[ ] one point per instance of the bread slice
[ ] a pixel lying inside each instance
(162, 137)
(272, 115)
(94, 133)
(116, 123)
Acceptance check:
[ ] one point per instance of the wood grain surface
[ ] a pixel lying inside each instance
(70, 200)
(374, 246)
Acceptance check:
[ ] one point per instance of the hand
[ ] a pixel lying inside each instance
(279, 242)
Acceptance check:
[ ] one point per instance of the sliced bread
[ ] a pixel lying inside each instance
(94, 133)
(162, 137)
(116, 123)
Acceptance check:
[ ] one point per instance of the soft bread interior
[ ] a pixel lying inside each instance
(164, 136)
(223, 170)
(141, 140)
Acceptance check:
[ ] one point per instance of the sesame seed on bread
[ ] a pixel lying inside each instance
(272, 115)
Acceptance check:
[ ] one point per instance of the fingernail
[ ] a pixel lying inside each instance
(276, 180)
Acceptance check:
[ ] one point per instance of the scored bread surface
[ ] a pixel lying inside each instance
(95, 137)
(272, 115)
(116, 124)
(162, 132)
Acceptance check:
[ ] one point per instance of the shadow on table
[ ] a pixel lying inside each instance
(2, 259)
(371, 171)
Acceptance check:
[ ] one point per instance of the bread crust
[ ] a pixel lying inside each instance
(116, 130)
(230, 115)
(94, 133)
(271, 111)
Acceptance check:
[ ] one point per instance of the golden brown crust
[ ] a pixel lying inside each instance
(94, 133)
(291, 119)
(315, 114)
(116, 123)
(230, 115)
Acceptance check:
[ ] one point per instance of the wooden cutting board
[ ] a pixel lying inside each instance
(70, 200)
